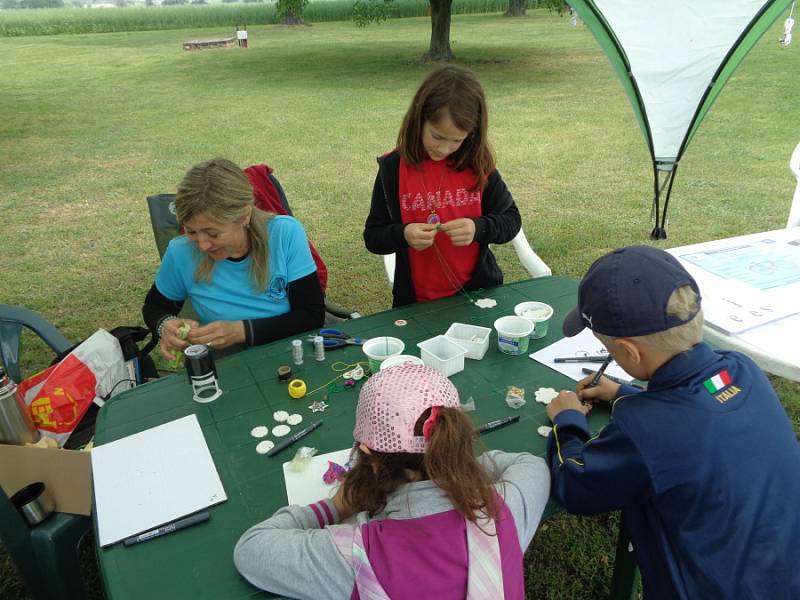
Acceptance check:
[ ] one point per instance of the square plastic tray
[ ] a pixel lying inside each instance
(442, 354)
(474, 339)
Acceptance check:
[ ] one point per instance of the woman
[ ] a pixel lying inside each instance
(249, 274)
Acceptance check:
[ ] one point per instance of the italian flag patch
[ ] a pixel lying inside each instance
(717, 382)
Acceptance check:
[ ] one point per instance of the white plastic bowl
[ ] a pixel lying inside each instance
(379, 349)
(513, 334)
(537, 313)
(401, 359)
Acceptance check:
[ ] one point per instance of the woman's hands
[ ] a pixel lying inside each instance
(218, 334)
(172, 341)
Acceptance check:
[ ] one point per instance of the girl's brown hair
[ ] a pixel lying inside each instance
(220, 190)
(456, 92)
(449, 462)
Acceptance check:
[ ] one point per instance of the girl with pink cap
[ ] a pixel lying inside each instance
(418, 516)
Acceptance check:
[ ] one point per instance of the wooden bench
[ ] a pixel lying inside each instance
(214, 43)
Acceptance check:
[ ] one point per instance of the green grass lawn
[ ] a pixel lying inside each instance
(93, 123)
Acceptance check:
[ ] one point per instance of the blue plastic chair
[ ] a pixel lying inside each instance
(46, 555)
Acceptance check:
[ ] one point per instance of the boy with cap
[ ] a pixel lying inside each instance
(423, 517)
(704, 464)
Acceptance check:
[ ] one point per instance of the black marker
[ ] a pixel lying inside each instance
(168, 528)
(492, 425)
(285, 444)
(580, 359)
(596, 379)
(588, 371)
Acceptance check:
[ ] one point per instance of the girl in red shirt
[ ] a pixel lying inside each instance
(438, 201)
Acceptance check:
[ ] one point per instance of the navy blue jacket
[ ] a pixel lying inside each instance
(708, 479)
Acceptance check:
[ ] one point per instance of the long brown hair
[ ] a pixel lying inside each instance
(454, 91)
(449, 461)
(220, 190)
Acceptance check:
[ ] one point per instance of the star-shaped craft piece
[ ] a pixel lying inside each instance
(486, 303)
(318, 407)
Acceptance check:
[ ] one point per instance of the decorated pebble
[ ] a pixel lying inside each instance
(294, 419)
(280, 430)
(544, 430)
(265, 446)
(280, 416)
(260, 431)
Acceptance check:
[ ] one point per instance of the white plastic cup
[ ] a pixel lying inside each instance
(380, 348)
(537, 313)
(401, 359)
(513, 334)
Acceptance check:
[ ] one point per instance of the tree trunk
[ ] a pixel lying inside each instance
(440, 31)
(516, 8)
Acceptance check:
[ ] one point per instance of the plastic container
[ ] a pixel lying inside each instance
(443, 354)
(379, 349)
(513, 334)
(401, 359)
(537, 313)
(474, 339)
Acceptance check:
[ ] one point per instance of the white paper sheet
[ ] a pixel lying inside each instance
(307, 486)
(153, 477)
(583, 344)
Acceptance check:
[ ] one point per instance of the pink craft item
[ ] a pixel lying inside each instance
(391, 402)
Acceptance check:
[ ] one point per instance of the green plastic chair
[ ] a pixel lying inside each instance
(46, 555)
(12, 320)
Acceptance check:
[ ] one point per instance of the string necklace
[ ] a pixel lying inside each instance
(433, 219)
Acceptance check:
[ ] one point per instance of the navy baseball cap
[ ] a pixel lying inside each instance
(625, 293)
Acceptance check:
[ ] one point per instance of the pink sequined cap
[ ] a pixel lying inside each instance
(392, 401)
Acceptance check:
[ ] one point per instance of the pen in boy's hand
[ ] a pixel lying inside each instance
(588, 371)
(596, 379)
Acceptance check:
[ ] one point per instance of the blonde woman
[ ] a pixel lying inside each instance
(249, 274)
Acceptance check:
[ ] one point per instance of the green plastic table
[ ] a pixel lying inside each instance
(197, 562)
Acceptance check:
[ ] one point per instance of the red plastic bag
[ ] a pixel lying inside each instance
(59, 396)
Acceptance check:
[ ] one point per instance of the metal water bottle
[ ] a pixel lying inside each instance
(16, 423)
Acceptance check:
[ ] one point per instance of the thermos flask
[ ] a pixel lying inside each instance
(16, 423)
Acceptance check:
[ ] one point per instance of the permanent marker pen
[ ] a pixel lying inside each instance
(581, 359)
(168, 528)
(492, 425)
(289, 441)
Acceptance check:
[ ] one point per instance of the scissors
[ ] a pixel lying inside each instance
(334, 338)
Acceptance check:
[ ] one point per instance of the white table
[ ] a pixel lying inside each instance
(751, 295)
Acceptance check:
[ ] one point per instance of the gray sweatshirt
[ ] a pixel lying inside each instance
(292, 554)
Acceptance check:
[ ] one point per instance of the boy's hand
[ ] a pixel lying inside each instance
(219, 334)
(460, 231)
(420, 235)
(566, 401)
(605, 390)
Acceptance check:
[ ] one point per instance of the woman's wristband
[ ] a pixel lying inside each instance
(160, 328)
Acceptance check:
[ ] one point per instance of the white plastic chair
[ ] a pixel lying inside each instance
(794, 210)
(534, 265)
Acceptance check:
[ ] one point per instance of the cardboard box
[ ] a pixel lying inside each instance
(66, 473)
